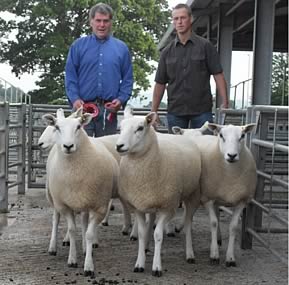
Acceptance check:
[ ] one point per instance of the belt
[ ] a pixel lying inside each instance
(100, 101)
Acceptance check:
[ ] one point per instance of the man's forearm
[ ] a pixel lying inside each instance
(159, 90)
(222, 88)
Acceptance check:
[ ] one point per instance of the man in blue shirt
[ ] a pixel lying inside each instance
(99, 70)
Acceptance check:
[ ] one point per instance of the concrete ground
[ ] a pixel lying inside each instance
(24, 239)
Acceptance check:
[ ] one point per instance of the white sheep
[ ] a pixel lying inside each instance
(46, 142)
(81, 176)
(155, 175)
(228, 178)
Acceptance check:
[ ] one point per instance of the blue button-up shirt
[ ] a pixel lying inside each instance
(98, 69)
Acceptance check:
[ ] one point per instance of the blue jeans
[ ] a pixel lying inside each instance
(100, 126)
(188, 121)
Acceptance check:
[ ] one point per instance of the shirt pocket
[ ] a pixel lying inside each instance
(171, 66)
(198, 64)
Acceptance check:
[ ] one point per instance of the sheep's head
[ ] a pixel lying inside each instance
(47, 138)
(133, 131)
(67, 130)
(231, 139)
(190, 132)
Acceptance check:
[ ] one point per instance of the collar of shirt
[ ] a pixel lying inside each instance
(101, 40)
(191, 39)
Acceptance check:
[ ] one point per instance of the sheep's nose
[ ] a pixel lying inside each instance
(68, 147)
(232, 156)
(40, 144)
(118, 147)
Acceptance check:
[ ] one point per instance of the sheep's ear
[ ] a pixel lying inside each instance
(248, 128)
(128, 112)
(177, 130)
(60, 113)
(75, 114)
(49, 119)
(151, 118)
(78, 113)
(215, 128)
(85, 119)
(204, 127)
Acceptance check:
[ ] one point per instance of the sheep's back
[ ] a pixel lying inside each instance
(160, 179)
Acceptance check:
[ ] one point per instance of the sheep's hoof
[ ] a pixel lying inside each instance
(105, 224)
(95, 245)
(72, 265)
(138, 269)
(52, 253)
(133, 238)
(231, 263)
(112, 207)
(65, 243)
(214, 261)
(219, 242)
(89, 273)
(191, 260)
(157, 273)
(171, 235)
(124, 233)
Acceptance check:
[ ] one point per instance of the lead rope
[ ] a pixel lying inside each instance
(104, 117)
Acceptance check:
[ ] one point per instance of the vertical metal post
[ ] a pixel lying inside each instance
(225, 44)
(30, 141)
(21, 149)
(262, 50)
(249, 211)
(4, 142)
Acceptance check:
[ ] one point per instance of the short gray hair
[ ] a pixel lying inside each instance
(101, 8)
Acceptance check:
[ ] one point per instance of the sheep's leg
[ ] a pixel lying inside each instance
(90, 238)
(53, 240)
(134, 231)
(150, 227)
(142, 229)
(169, 229)
(214, 250)
(65, 241)
(105, 220)
(126, 218)
(219, 235)
(84, 224)
(164, 217)
(179, 227)
(230, 258)
(190, 210)
(72, 258)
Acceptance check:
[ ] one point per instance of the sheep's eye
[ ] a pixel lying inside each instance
(222, 137)
(242, 136)
(78, 127)
(139, 129)
(57, 128)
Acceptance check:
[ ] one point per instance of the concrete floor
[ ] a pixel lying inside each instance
(24, 239)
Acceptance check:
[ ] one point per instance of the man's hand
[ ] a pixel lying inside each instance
(77, 104)
(113, 106)
(157, 122)
(224, 105)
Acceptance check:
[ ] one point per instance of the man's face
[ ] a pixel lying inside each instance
(181, 20)
(101, 25)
